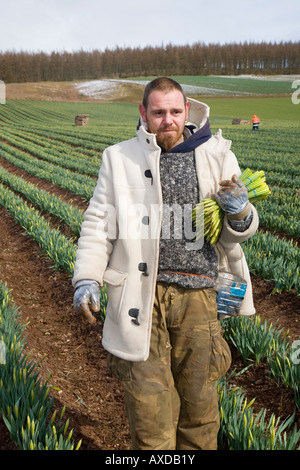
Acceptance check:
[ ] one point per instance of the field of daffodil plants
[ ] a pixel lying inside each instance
(48, 171)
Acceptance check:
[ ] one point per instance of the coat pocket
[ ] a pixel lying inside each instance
(220, 359)
(115, 281)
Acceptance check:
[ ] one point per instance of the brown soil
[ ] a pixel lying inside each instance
(65, 91)
(44, 91)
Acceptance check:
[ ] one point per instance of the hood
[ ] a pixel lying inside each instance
(198, 113)
(197, 129)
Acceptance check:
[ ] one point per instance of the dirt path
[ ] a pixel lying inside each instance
(74, 355)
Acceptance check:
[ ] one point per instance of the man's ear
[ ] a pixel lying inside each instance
(187, 107)
(142, 110)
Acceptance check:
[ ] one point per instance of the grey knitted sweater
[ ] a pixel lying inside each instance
(180, 261)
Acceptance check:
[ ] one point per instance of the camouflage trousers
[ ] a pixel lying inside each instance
(171, 399)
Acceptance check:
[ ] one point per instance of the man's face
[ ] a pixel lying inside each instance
(165, 116)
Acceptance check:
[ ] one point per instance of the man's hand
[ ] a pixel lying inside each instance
(232, 196)
(87, 300)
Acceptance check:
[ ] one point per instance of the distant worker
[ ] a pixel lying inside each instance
(255, 123)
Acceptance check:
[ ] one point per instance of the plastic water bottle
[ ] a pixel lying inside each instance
(231, 292)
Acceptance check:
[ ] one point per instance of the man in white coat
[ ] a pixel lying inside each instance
(161, 329)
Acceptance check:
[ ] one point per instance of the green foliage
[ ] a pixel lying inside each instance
(60, 250)
(284, 367)
(274, 259)
(67, 213)
(259, 341)
(247, 84)
(251, 336)
(79, 184)
(274, 112)
(25, 402)
(112, 120)
(243, 429)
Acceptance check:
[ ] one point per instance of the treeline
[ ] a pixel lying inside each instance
(198, 59)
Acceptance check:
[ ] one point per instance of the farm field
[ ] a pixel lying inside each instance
(131, 90)
(234, 85)
(48, 170)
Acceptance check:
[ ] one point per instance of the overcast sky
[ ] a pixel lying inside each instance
(71, 25)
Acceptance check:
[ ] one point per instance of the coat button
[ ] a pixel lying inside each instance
(134, 313)
(148, 141)
(144, 268)
(148, 174)
(146, 220)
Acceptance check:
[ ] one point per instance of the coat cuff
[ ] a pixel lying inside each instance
(85, 282)
(240, 215)
(229, 236)
(241, 225)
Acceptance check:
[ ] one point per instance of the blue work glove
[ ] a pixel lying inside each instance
(87, 299)
(232, 196)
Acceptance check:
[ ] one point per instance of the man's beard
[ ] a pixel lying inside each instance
(168, 141)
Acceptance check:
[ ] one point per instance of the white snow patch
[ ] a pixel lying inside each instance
(103, 89)
(98, 89)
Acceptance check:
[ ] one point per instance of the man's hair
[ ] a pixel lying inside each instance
(164, 84)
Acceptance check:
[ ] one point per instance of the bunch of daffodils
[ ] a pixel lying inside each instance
(255, 183)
